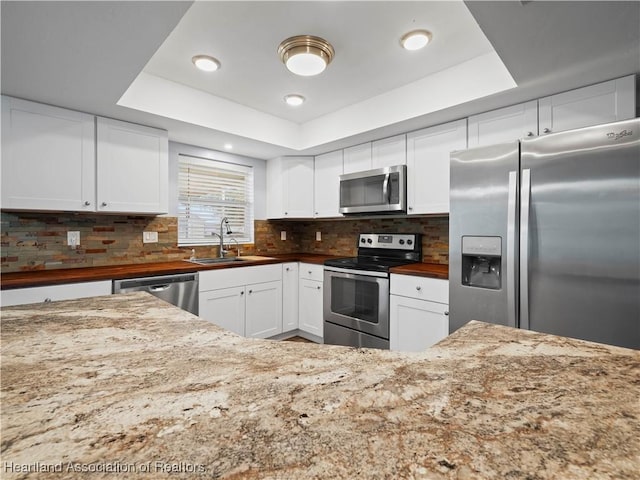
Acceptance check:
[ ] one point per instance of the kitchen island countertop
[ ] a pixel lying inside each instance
(130, 386)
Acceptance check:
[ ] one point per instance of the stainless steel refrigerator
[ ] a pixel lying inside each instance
(545, 234)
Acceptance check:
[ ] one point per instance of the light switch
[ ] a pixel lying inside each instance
(283, 235)
(149, 237)
(73, 239)
(318, 236)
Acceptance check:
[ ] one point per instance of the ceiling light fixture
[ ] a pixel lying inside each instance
(294, 99)
(206, 63)
(306, 55)
(416, 39)
(228, 146)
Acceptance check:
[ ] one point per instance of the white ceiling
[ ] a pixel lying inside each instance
(87, 55)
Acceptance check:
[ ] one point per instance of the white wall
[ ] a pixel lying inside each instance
(259, 174)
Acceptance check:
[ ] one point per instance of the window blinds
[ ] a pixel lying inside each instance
(208, 191)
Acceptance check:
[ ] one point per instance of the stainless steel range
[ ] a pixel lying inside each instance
(356, 289)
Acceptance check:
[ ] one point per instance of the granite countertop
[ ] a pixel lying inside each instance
(130, 384)
(39, 278)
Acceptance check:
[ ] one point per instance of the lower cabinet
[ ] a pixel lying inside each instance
(290, 296)
(419, 315)
(245, 300)
(53, 293)
(310, 318)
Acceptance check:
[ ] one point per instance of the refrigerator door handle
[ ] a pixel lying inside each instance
(511, 250)
(524, 248)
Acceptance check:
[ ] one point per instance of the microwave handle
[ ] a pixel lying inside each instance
(386, 192)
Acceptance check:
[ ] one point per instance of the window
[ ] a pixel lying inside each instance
(208, 191)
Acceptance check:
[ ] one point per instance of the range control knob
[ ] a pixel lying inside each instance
(401, 242)
(409, 242)
(369, 241)
(362, 240)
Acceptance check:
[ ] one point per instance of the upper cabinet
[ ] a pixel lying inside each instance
(49, 162)
(389, 152)
(290, 187)
(428, 166)
(357, 158)
(326, 179)
(133, 171)
(600, 103)
(48, 157)
(504, 125)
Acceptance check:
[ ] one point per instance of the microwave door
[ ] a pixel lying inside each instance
(374, 191)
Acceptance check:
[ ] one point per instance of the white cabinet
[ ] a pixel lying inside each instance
(504, 125)
(245, 300)
(53, 293)
(357, 158)
(290, 187)
(600, 103)
(51, 161)
(133, 168)
(419, 314)
(327, 171)
(48, 157)
(428, 166)
(225, 307)
(290, 296)
(389, 152)
(310, 317)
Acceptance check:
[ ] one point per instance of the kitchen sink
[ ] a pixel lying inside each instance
(213, 261)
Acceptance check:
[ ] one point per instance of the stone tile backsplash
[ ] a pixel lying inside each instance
(38, 241)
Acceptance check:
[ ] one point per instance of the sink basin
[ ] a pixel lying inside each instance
(213, 261)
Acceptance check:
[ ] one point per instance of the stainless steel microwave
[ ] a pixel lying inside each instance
(383, 190)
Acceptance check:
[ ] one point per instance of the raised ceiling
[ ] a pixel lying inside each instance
(87, 55)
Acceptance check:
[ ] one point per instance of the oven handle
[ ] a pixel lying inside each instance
(349, 271)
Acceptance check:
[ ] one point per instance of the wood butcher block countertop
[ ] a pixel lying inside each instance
(38, 278)
(128, 386)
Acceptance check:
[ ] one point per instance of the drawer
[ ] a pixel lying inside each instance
(423, 288)
(53, 293)
(311, 271)
(238, 276)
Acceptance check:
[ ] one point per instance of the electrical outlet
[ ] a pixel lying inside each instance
(149, 237)
(283, 235)
(73, 239)
(318, 236)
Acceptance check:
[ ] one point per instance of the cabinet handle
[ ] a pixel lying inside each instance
(288, 269)
(250, 291)
(309, 272)
(318, 287)
(242, 293)
(104, 204)
(547, 130)
(47, 300)
(87, 203)
(418, 288)
(286, 213)
(447, 313)
(529, 134)
(410, 208)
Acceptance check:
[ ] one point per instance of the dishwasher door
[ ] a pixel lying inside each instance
(179, 290)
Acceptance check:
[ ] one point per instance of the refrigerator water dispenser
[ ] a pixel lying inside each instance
(482, 262)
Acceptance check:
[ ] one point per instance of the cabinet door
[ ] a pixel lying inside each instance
(504, 125)
(389, 152)
(263, 316)
(53, 293)
(48, 157)
(133, 168)
(326, 184)
(298, 187)
(310, 316)
(601, 103)
(428, 166)
(289, 296)
(224, 307)
(357, 158)
(415, 325)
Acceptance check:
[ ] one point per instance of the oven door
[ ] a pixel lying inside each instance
(358, 300)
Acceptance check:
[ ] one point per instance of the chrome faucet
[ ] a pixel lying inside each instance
(223, 222)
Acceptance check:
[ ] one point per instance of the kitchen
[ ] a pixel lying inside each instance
(110, 241)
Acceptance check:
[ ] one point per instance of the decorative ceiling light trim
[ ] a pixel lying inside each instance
(416, 39)
(206, 63)
(294, 99)
(306, 55)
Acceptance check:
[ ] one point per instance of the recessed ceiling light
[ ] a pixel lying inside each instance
(228, 146)
(294, 100)
(416, 39)
(206, 63)
(306, 55)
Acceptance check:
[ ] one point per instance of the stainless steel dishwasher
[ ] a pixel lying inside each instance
(180, 290)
